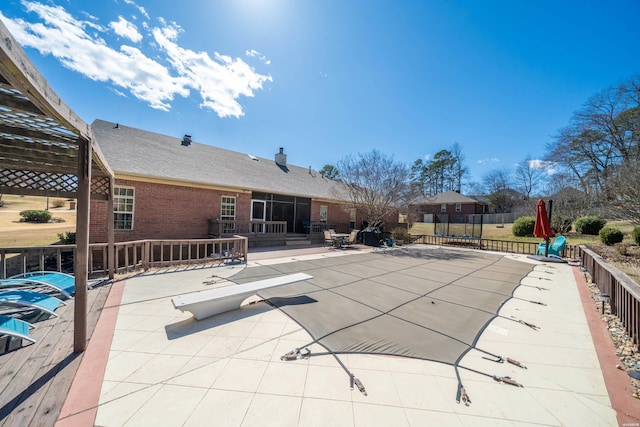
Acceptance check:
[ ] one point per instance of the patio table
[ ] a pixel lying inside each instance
(339, 238)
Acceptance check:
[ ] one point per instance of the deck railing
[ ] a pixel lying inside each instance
(128, 256)
(145, 254)
(623, 292)
(223, 227)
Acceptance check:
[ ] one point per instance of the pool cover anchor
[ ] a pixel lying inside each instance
(516, 363)
(296, 354)
(500, 359)
(463, 396)
(507, 380)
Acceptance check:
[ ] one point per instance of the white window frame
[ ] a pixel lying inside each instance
(324, 213)
(123, 205)
(458, 207)
(227, 204)
(443, 207)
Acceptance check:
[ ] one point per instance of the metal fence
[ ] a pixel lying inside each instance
(527, 248)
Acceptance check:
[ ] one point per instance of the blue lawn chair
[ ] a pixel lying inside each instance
(46, 304)
(59, 282)
(555, 248)
(15, 328)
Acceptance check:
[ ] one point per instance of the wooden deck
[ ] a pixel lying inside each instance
(36, 378)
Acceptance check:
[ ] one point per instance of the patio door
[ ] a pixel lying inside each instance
(258, 213)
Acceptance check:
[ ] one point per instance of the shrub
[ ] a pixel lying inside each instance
(610, 235)
(59, 203)
(622, 248)
(635, 235)
(523, 226)
(68, 238)
(400, 233)
(591, 224)
(36, 216)
(560, 224)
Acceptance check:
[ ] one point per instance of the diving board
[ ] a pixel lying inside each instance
(208, 303)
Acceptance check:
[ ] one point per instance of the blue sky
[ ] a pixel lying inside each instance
(327, 78)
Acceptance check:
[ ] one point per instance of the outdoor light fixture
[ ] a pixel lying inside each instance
(604, 298)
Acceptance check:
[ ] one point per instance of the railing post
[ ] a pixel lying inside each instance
(146, 254)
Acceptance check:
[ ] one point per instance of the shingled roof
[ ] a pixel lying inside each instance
(446, 197)
(134, 152)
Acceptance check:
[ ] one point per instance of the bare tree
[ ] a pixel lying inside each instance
(603, 136)
(527, 176)
(376, 185)
(626, 187)
(498, 185)
(460, 170)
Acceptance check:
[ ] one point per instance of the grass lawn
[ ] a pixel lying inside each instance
(627, 261)
(503, 232)
(13, 232)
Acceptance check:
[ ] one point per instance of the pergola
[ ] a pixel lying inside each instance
(47, 150)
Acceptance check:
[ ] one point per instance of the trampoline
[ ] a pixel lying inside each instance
(425, 303)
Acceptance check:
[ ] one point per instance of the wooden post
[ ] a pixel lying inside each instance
(110, 231)
(82, 246)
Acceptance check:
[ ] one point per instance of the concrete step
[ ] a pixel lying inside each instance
(298, 240)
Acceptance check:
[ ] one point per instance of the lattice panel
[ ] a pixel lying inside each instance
(101, 187)
(42, 181)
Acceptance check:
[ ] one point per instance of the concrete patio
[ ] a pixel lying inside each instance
(149, 364)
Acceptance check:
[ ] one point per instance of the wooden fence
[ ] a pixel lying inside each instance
(623, 292)
(145, 254)
(127, 257)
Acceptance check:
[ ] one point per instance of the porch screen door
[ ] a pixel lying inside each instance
(258, 213)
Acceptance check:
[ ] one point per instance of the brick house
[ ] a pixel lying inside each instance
(171, 188)
(450, 203)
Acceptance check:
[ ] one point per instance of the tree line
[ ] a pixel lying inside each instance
(596, 155)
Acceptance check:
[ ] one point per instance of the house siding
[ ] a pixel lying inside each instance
(165, 211)
(466, 209)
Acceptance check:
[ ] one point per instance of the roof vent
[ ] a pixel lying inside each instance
(186, 141)
(281, 158)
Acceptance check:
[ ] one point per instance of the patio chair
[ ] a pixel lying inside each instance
(60, 282)
(15, 328)
(45, 304)
(328, 239)
(555, 248)
(352, 239)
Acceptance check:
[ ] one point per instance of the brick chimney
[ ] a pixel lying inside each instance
(281, 158)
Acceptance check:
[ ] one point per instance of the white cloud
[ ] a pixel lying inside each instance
(262, 58)
(140, 8)
(126, 29)
(489, 160)
(550, 168)
(220, 80)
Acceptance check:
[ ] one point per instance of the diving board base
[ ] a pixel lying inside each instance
(208, 303)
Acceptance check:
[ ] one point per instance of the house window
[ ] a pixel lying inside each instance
(228, 208)
(458, 207)
(443, 207)
(123, 198)
(228, 213)
(324, 213)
